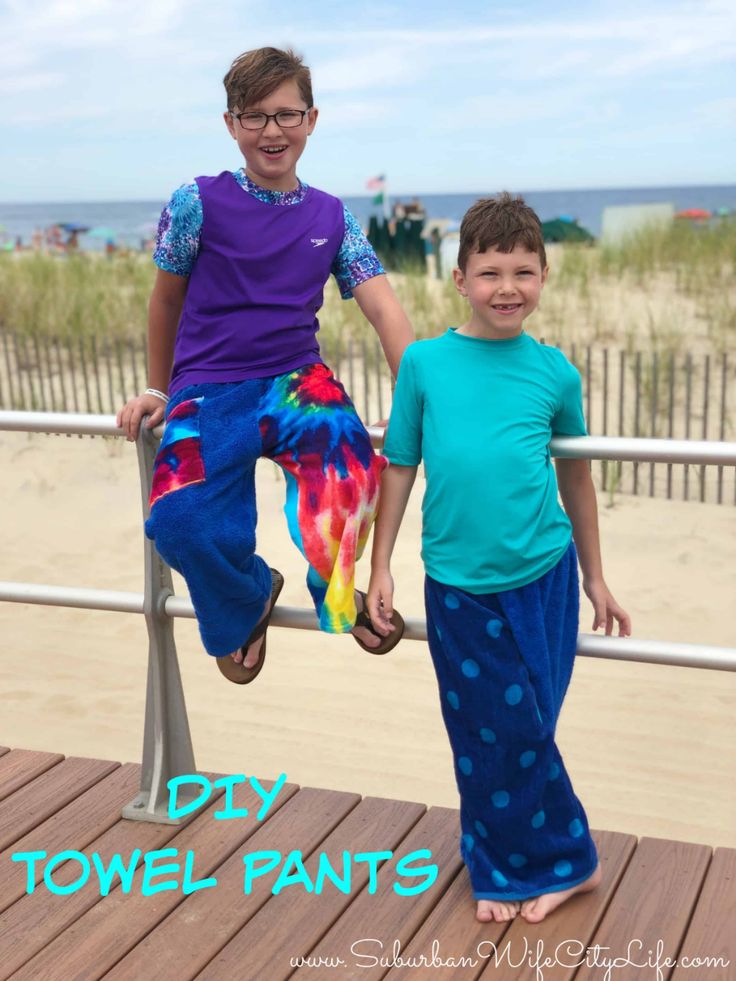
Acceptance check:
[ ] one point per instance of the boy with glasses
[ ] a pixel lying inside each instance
(234, 365)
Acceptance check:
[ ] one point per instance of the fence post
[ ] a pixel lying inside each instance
(167, 744)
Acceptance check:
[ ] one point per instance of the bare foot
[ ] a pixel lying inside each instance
(251, 657)
(363, 633)
(491, 909)
(534, 910)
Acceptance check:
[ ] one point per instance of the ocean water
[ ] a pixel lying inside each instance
(134, 221)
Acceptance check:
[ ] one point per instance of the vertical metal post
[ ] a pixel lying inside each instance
(167, 744)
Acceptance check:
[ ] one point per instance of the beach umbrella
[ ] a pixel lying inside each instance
(694, 214)
(73, 226)
(563, 230)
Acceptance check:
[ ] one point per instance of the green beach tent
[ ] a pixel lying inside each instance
(561, 230)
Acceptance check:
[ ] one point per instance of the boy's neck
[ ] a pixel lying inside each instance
(486, 333)
(289, 182)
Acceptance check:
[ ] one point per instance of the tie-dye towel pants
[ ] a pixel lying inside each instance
(203, 505)
(503, 663)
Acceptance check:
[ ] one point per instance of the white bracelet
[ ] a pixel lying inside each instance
(159, 395)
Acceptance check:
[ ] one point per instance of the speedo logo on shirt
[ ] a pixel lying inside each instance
(317, 241)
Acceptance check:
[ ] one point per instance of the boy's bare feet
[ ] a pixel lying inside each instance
(491, 909)
(368, 638)
(534, 910)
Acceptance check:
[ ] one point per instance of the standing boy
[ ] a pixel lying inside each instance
(479, 405)
(234, 362)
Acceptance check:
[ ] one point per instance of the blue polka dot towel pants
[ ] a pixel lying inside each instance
(503, 663)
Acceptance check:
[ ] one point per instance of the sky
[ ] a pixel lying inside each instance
(122, 99)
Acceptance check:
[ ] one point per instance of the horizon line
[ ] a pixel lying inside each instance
(397, 194)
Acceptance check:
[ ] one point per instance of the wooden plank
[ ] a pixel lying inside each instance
(35, 920)
(386, 917)
(712, 930)
(568, 929)
(19, 766)
(651, 908)
(198, 929)
(291, 923)
(37, 801)
(72, 827)
(96, 941)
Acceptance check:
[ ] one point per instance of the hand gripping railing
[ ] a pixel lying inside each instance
(167, 745)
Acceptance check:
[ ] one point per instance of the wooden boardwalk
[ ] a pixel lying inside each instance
(682, 895)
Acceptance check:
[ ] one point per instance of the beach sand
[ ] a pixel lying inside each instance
(650, 749)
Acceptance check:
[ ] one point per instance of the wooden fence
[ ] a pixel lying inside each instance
(679, 395)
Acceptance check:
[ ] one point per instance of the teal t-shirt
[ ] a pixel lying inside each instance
(481, 413)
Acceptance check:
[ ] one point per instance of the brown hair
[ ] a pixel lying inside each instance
(255, 74)
(501, 223)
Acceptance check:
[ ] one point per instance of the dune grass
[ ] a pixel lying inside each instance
(660, 289)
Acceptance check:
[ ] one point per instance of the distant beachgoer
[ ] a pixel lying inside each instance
(479, 405)
(54, 238)
(37, 240)
(235, 366)
(18, 243)
(415, 210)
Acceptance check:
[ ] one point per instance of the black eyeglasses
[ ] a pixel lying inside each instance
(285, 118)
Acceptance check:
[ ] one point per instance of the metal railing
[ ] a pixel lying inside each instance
(167, 745)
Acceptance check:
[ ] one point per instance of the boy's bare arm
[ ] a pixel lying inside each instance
(579, 500)
(396, 485)
(381, 308)
(164, 311)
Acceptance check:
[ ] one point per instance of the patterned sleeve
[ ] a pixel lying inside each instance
(177, 240)
(356, 261)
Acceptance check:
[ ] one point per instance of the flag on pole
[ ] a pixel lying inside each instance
(378, 184)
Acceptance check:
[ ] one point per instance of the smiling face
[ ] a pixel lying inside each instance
(502, 288)
(271, 153)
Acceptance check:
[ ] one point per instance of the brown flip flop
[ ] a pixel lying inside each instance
(387, 643)
(235, 671)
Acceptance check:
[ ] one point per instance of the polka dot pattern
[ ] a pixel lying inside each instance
(494, 628)
(513, 694)
(505, 758)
